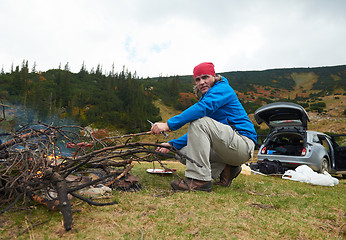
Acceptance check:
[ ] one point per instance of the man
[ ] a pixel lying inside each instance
(220, 136)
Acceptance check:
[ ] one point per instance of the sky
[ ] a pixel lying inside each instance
(169, 37)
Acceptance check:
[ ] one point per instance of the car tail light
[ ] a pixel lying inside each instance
(263, 150)
(303, 152)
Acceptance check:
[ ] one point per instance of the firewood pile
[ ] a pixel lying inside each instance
(49, 164)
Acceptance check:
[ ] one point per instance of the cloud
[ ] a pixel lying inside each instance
(155, 37)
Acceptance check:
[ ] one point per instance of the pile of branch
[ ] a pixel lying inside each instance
(37, 162)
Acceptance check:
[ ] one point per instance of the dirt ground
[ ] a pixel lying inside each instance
(332, 119)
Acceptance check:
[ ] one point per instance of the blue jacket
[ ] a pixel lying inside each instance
(220, 103)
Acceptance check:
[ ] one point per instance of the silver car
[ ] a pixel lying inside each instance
(292, 144)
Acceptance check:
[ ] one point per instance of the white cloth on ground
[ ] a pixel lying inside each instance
(304, 173)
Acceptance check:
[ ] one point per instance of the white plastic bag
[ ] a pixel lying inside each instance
(304, 173)
(295, 176)
(324, 179)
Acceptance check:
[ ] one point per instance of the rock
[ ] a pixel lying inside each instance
(96, 190)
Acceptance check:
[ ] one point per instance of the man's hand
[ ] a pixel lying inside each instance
(158, 128)
(163, 149)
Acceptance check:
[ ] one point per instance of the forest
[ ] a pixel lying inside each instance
(122, 100)
(118, 100)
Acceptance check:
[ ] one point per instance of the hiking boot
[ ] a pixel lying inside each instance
(227, 175)
(191, 185)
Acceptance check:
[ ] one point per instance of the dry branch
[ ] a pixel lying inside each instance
(39, 159)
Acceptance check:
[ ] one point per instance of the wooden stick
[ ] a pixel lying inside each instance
(121, 175)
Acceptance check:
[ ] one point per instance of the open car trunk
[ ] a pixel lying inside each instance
(290, 144)
(280, 115)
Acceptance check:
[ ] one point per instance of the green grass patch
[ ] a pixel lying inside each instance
(254, 207)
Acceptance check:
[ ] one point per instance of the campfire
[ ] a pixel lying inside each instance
(50, 165)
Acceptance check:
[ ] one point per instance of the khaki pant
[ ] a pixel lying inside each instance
(213, 145)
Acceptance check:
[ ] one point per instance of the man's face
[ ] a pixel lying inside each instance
(204, 82)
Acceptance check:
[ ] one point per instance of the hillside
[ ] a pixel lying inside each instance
(331, 120)
(327, 79)
(321, 91)
(125, 101)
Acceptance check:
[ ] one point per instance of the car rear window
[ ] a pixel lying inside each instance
(286, 123)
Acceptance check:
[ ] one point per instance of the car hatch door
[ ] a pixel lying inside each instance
(282, 114)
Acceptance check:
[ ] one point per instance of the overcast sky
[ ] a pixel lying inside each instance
(170, 37)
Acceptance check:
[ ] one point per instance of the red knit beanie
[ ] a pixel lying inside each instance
(206, 68)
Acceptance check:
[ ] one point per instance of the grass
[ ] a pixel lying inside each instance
(254, 207)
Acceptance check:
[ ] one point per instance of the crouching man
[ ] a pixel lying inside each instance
(220, 136)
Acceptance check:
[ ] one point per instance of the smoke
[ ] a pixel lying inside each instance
(19, 117)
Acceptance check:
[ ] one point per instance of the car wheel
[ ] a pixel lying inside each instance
(324, 165)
